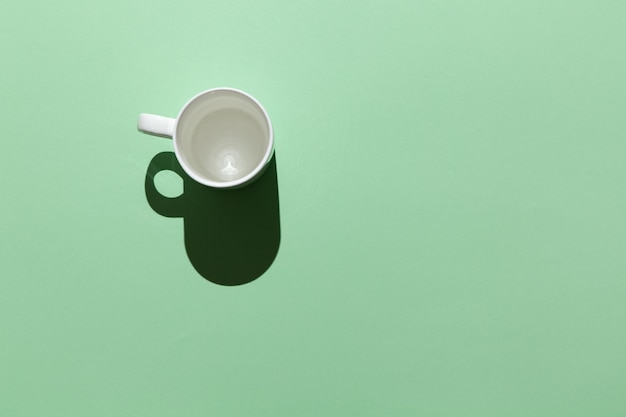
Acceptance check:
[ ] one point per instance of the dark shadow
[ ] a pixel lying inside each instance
(231, 236)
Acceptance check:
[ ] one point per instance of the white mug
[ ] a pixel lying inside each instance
(223, 137)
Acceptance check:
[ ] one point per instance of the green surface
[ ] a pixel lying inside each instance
(453, 210)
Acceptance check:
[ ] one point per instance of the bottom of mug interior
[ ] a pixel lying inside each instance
(241, 182)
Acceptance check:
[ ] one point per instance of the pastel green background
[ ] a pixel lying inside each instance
(453, 210)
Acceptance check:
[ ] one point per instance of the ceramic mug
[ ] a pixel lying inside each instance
(223, 137)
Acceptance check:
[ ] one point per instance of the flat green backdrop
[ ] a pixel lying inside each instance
(453, 210)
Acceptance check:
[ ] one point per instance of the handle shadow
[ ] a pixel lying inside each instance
(165, 206)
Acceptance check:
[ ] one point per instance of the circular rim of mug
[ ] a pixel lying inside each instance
(234, 183)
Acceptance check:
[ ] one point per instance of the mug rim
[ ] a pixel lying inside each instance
(233, 183)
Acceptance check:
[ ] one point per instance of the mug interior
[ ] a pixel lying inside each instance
(223, 137)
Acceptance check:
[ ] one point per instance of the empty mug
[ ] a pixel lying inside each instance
(223, 137)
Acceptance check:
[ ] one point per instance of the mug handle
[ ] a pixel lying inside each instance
(165, 206)
(156, 125)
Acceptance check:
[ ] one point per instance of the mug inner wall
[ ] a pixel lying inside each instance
(222, 136)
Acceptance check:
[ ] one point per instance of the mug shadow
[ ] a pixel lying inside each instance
(231, 236)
